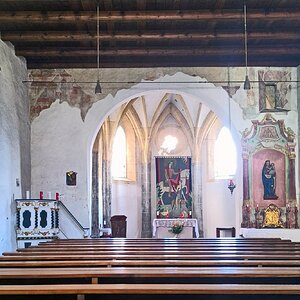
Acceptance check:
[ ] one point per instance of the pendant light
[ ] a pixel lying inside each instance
(247, 85)
(98, 89)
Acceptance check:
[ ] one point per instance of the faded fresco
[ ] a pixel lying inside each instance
(59, 85)
(274, 90)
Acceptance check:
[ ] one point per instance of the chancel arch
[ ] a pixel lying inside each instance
(146, 117)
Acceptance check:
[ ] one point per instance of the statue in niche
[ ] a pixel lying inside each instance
(269, 180)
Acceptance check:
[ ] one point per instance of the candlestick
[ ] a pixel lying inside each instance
(49, 195)
(27, 195)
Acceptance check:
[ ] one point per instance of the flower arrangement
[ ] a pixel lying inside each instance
(177, 227)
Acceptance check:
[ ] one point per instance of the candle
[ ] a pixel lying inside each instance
(57, 196)
(49, 195)
(41, 195)
(27, 195)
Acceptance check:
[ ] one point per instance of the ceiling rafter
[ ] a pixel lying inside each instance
(84, 36)
(146, 33)
(160, 51)
(137, 16)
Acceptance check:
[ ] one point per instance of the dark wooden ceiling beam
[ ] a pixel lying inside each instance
(82, 36)
(136, 16)
(159, 52)
(182, 62)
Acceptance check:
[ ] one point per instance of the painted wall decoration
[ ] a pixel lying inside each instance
(61, 85)
(274, 90)
(173, 187)
(268, 171)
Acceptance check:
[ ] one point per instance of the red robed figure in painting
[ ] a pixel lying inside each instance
(172, 177)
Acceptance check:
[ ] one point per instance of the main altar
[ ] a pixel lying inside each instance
(162, 228)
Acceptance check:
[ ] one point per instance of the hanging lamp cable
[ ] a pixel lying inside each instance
(247, 81)
(98, 89)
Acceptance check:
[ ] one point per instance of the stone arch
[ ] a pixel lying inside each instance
(126, 96)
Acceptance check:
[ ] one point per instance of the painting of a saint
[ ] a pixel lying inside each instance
(269, 180)
(173, 183)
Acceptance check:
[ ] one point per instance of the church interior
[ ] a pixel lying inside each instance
(148, 125)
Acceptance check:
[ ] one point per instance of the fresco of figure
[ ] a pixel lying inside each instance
(269, 180)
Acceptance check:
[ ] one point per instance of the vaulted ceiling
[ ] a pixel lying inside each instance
(152, 33)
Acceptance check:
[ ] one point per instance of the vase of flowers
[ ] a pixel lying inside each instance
(177, 228)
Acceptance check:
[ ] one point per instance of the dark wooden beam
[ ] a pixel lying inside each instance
(153, 52)
(136, 16)
(83, 36)
(177, 62)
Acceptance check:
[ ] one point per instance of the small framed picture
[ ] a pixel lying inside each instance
(71, 177)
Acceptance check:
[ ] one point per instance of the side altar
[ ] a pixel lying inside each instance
(162, 227)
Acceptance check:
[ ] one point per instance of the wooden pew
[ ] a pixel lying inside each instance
(152, 263)
(142, 247)
(154, 289)
(146, 264)
(161, 256)
(157, 251)
(151, 274)
(158, 246)
(122, 241)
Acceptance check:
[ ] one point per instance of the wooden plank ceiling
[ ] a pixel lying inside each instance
(152, 33)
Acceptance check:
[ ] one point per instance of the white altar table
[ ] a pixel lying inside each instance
(161, 228)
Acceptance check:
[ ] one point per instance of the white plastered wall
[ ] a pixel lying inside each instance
(14, 141)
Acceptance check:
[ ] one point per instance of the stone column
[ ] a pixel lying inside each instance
(95, 233)
(197, 195)
(146, 200)
(106, 192)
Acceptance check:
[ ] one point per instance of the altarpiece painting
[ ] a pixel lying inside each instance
(173, 187)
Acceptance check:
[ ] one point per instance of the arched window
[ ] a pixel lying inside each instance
(119, 154)
(224, 155)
